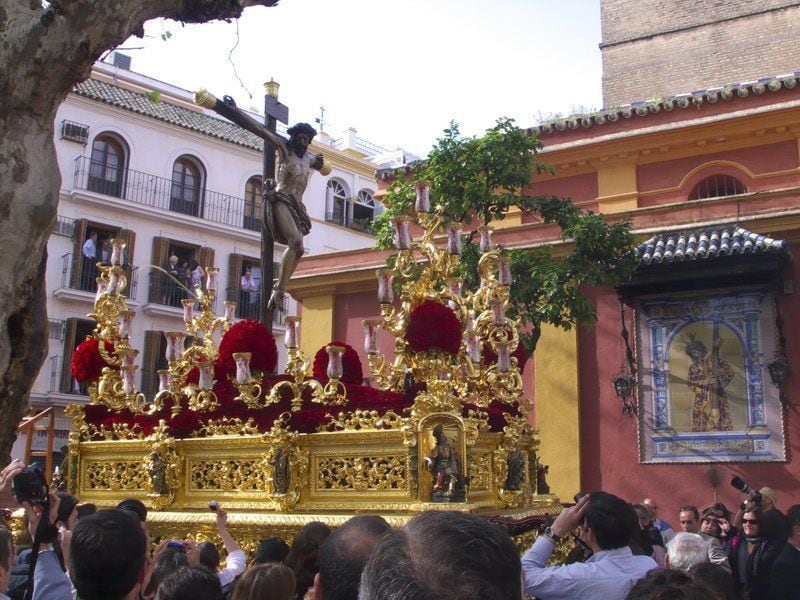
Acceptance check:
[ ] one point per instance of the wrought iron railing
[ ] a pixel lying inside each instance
(362, 225)
(248, 305)
(64, 226)
(160, 192)
(165, 290)
(86, 277)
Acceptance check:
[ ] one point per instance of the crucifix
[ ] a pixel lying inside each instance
(287, 167)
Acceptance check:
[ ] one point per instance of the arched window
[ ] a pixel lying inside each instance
(363, 211)
(107, 167)
(336, 202)
(186, 192)
(717, 186)
(253, 202)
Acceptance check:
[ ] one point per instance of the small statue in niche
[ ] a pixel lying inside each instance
(281, 474)
(158, 474)
(541, 479)
(516, 471)
(59, 481)
(445, 465)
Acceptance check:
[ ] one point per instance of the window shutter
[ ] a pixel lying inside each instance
(160, 257)
(205, 257)
(70, 330)
(234, 276)
(150, 362)
(81, 227)
(129, 236)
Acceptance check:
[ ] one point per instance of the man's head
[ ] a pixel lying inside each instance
(271, 550)
(769, 499)
(793, 524)
(690, 518)
(652, 505)
(696, 350)
(440, 555)
(209, 556)
(343, 555)
(686, 550)
(715, 578)
(93, 236)
(667, 583)
(8, 557)
(67, 510)
(300, 136)
(609, 521)
(134, 506)
(107, 555)
(645, 515)
(190, 583)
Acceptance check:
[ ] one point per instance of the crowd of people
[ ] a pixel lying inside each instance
(178, 278)
(621, 550)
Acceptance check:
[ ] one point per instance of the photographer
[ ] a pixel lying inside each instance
(773, 521)
(50, 582)
(236, 561)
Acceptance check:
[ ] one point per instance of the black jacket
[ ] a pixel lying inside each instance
(785, 575)
(755, 578)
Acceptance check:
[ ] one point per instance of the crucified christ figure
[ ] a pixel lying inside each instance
(285, 217)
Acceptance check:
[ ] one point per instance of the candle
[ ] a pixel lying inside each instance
(242, 360)
(498, 312)
(101, 288)
(503, 357)
(473, 346)
(164, 379)
(370, 335)
(292, 336)
(117, 251)
(128, 374)
(504, 271)
(206, 374)
(230, 311)
(113, 281)
(423, 192)
(454, 239)
(128, 356)
(335, 367)
(385, 291)
(188, 310)
(125, 321)
(455, 285)
(486, 243)
(211, 280)
(402, 236)
(175, 343)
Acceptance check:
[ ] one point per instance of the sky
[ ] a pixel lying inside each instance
(398, 71)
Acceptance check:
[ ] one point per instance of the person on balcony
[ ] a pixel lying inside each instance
(88, 270)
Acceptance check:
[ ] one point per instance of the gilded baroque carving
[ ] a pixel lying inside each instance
(116, 475)
(361, 473)
(246, 475)
(363, 419)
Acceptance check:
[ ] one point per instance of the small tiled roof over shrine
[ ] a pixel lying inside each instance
(704, 244)
(167, 112)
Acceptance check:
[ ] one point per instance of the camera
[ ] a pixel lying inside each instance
(212, 506)
(179, 546)
(740, 485)
(30, 485)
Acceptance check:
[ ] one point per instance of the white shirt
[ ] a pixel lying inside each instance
(236, 564)
(607, 575)
(89, 248)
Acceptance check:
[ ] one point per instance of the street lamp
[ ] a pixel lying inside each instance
(271, 88)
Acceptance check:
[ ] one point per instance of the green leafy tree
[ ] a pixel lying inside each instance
(481, 179)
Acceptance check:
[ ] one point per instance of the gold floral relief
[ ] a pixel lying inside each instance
(480, 472)
(360, 473)
(228, 475)
(116, 475)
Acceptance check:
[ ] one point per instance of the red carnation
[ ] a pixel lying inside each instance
(87, 364)
(351, 364)
(433, 326)
(247, 336)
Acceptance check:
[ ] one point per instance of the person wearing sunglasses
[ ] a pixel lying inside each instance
(751, 557)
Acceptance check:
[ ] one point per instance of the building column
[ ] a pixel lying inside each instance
(557, 409)
(317, 323)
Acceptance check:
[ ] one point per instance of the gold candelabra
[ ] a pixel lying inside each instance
(429, 271)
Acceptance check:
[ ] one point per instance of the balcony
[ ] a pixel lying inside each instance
(362, 225)
(81, 285)
(159, 192)
(248, 306)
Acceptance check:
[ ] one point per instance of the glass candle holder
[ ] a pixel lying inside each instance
(423, 193)
(486, 243)
(504, 271)
(128, 375)
(402, 234)
(370, 335)
(335, 366)
(175, 345)
(117, 251)
(128, 356)
(503, 357)
(164, 379)
(385, 291)
(113, 281)
(206, 374)
(125, 322)
(473, 346)
(454, 239)
(188, 310)
(212, 274)
(230, 311)
(498, 312)
(291, 337)
(455, 285)
(242, 360)
(101, 288)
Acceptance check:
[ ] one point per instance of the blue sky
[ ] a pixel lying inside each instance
(396, 70)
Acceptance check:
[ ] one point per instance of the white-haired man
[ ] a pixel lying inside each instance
(686, 550)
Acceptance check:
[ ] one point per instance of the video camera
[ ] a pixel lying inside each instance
(740, 485)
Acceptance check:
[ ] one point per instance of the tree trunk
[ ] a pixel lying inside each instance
(45, 52)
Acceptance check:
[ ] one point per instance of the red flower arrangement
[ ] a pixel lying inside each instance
(433, 326)
(247, 336)
(489, 355)
(351, 364)
(87, 364)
